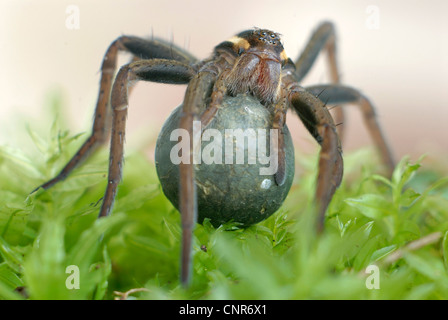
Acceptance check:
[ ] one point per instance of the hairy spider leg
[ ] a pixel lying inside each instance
(154, 70)
(196, 95)
(141, 49)
(323, 38)
(320, 124)
(336, 94)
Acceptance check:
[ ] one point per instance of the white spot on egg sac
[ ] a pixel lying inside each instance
(265, 184)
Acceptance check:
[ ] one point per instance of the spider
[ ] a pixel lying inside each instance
(252, 62)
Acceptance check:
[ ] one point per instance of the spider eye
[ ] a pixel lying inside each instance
(240, 51)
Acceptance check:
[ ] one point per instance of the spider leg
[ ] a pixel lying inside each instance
(323, 38)
(319, 123)
(335, 94)
(280, 110)
(164, 71)
(140, 48)
(156, 49)
(198, 90)
(217, 96)
(155, 70)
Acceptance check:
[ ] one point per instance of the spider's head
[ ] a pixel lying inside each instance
(262, 41)
(257, 56)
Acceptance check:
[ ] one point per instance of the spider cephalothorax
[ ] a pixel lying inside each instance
(257, 57)
(253, 62)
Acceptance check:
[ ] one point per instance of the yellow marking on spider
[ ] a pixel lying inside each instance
(240, 42)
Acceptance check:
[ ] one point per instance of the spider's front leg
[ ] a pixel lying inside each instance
(197, 92)
(155, 70)
(140, 49)
(320, 124)
(200, 85)
(322, 39)
(336, 94)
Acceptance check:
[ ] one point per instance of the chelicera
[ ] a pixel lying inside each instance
(251, 63)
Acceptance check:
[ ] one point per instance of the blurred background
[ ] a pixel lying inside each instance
(394, 51)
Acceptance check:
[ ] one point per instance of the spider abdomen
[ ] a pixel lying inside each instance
(235, 147)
